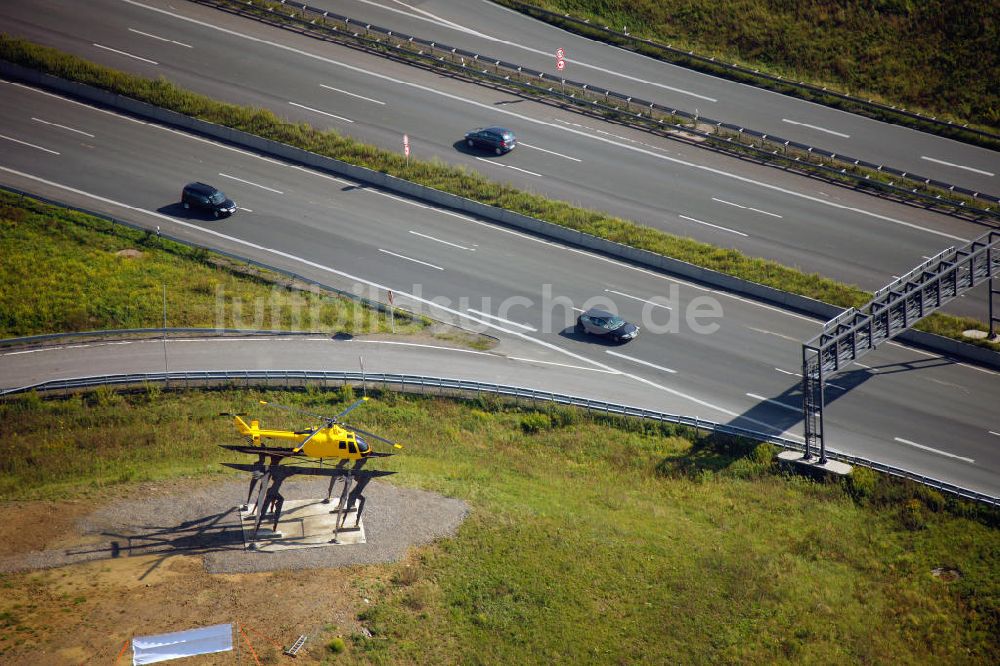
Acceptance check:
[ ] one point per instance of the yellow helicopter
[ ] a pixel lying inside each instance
(331, 440)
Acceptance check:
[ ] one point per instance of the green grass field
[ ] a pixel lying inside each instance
(64, 271)
(939, 56)
(591, 539)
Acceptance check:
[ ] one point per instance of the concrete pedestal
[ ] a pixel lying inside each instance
(831, 466)
(303, 524)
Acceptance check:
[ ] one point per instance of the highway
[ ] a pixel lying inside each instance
(675, 187)
(727, 359)
(484, 27)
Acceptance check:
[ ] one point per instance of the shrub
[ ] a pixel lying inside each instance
(764, 454)
(534, 422)
(336, 645)
(861, 484)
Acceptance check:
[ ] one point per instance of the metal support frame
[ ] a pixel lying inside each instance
(893, 309)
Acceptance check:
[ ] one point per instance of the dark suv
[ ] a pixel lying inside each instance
(498, 139)
(206, 197)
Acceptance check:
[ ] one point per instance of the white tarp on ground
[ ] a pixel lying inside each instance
(152, 649)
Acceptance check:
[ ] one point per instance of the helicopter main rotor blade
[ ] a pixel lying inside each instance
(372, 435)
(294, 409)
(306, 440)
(357, 403)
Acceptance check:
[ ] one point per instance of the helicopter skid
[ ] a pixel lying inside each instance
(306, 523)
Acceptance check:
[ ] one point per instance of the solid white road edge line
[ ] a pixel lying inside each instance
(640, 361)
(506, 321)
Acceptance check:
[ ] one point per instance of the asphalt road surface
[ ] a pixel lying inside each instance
(702, 352)
(675, 187)
(487, 28)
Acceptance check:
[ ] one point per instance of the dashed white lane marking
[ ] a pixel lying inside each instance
(162, 39)
(786, 372)
(756, 210)
(126, 53)
(993, 433)
(509, 166)
(325, 113)
(714, 226)
(777, 403)
(551, 152)
(416, 261)
(816, 127)
(245, 209)
(932, 450)
(367, 99)
(636, 298)
(777, 335)
(529, 119)
(640, 361)
(957, 166)
(263, 187)
(46, 122)
(460, 247)
(564, 365)
(25, 143)
(506, 321)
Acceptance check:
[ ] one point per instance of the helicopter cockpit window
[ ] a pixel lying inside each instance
(363, 445)
(353, 448)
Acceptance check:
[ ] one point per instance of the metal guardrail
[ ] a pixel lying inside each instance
(716, 64)
(422, 384)
(29, 340)
(636, 112)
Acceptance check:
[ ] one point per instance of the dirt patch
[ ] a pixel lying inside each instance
(30, 526)
(81, 579)
(129, 253)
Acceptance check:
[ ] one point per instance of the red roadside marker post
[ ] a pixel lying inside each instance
(561, 65)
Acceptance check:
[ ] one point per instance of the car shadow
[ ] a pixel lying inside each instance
(179, 211)
(570, 334)
(476, 151)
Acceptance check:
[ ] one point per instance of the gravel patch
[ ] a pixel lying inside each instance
(205, 521)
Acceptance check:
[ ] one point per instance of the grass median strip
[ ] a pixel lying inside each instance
(591, 538)
(456, 180)
(66, 271)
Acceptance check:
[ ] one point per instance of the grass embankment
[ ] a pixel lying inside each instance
(456, 180)
(938, 56)
(591, 539)
(65, 271)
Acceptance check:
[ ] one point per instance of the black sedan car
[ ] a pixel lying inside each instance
(207, 198)
(605, 324)
(498, 139)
